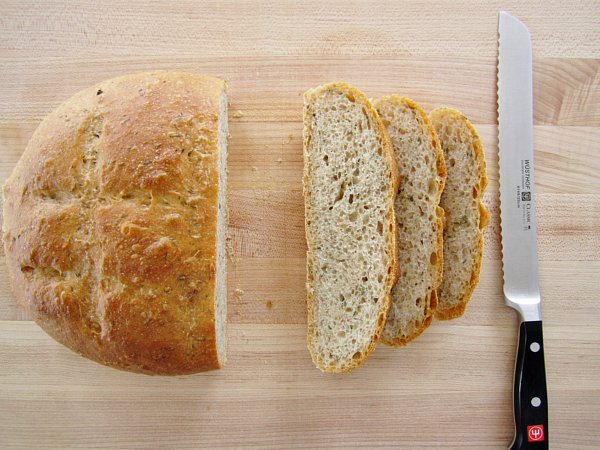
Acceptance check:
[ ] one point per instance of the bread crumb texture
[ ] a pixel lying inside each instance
(419, 219)
(110, 223)
(465, 215)
(349, 183)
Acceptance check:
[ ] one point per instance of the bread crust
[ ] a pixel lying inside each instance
(430, 308)
(110, 223)
(459, 309)
(392, 236)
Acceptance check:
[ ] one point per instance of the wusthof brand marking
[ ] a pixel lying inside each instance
(535, 433)
(524, 194)
(527, 174)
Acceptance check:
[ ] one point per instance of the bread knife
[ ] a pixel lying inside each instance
(519, 236)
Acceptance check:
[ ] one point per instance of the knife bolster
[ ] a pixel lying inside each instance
(529, 311)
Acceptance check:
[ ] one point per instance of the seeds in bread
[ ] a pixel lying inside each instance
(465, 215)
(350, 180)
(115, 221)
(418, 216)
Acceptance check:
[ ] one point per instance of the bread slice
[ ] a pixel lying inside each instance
(465, 215)
(350, 181)
(418, 216)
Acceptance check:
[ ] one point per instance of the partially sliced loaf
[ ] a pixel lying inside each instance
(465, 215)
(115, 220)
(419, 218)
(350, 180)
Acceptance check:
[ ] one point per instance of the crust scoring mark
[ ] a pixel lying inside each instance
(84, 195)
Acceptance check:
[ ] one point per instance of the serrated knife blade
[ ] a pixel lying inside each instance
(519, 236)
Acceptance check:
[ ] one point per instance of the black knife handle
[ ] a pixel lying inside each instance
(530, 395)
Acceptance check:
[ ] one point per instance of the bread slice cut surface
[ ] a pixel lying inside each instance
(350, 180)
(419, 218)
(465, 215)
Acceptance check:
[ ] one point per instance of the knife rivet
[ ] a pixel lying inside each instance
(535, 402)
(534, 347)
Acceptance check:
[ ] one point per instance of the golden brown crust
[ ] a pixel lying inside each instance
(392, 246)
(430, 298)
(459, 309)
(110, 223)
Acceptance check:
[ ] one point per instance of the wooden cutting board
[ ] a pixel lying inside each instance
(452, 387)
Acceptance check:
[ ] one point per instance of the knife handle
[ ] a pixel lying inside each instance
(529, 395)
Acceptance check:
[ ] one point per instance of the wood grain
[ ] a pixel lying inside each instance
(231, 29)
(269, 88)
(270, 396)
(449, 389)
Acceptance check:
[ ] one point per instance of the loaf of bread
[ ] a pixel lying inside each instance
(465, 215)
(115, 223)
(350, 181)
(419, 218)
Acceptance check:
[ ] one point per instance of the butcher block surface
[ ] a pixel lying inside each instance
(452, 387)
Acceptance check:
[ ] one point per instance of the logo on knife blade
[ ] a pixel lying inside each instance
(527, 174)
(524, 201)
